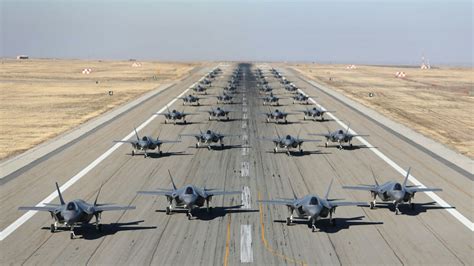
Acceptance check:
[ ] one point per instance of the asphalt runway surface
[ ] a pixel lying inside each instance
(238, 230)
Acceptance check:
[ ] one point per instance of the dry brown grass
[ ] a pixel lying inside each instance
(437, 103)
(43, 98)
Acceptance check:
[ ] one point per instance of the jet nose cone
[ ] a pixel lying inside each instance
(189, 200)
(313, 211)
(398, 195)
(69, 217)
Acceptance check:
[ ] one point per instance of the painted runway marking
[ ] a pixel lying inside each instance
(245, 151)
(244, 109)
(244, 124)
(245, 169)
(246, 254)
(451, 210)
(25, 217)
(244, 104)
(245, 137)
(246, 198)
(244, 117)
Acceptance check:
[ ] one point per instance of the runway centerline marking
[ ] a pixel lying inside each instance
(246, 254)
(450, 209)
(25, 217)
(244, 117)
(244, 124)
(246, 204)
(245, 169)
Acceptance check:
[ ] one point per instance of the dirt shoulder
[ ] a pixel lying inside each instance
(437, 102)
(41, 99)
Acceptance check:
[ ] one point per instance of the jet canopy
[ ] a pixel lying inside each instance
(313, 201)
(189, 190)
(340, 131)
(397, 186)
(288, 137)
(71, 206)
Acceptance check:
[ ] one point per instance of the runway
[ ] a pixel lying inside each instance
(239, 230)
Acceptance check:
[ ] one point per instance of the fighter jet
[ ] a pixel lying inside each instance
(218, 113)
(284, 81)
(205, 81)
(314, 113)
(174, 116)
(340, 136)
(393, 191)
(277, 116)
(224, 98)
(291, 87)
(288, 142)
(146, 143)
(301, 98)
(230, 89)
(270, 99)
(265, 89)
(208, 137)
(190, 99)
(311, 208)
(76, 212)
(188, 197)
(198, 88)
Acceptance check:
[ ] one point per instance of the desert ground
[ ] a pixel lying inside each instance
(436, 102)
(43, 98)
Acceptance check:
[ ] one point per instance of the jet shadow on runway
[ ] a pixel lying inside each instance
(89, 232)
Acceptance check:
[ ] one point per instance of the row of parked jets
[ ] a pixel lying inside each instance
(188, 198)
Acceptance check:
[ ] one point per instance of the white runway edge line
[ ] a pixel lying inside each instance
(246, 254)
(25, 217)
(450, 209)
(246, 198)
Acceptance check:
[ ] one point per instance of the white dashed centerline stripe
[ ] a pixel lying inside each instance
(244, 124)
(246, 198)
(245, 169)
(244, 117)
(450, 209)
(246, 254)
(245, 151)
(25, 217)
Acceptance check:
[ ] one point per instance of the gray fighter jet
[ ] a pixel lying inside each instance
(198, 88)
(291, 87)
(190, 99)
(76, 212)
(300, 98)
(288, 142)
(146, 143)
(218, 113)
(206, 81)
(270, 99)
(224, 98)
(311, 208)
(314, 113)
(277, 116)
(340, 136)
(208, 137)
(175, 115)
(284, 81)
(187, 197)
(265, 89)
(393, 191)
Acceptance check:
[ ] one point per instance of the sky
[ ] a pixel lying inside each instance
(330, 31)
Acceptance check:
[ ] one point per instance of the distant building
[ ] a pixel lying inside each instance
(22, 57)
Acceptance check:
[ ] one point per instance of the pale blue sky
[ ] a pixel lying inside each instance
(378, 32)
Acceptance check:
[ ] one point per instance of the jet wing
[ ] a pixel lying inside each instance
(103, 208)
(218, 193)
(278, 202)
(319, 134)
(37, 208)
(309, 140)
(126, 141)
(167, 193)
(366, 188)
(169, 141)
(348, 203)
(412, 190)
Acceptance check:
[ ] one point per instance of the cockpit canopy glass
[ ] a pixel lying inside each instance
(71, 206)
(189, 190)
(397, 186)
(313, 201)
